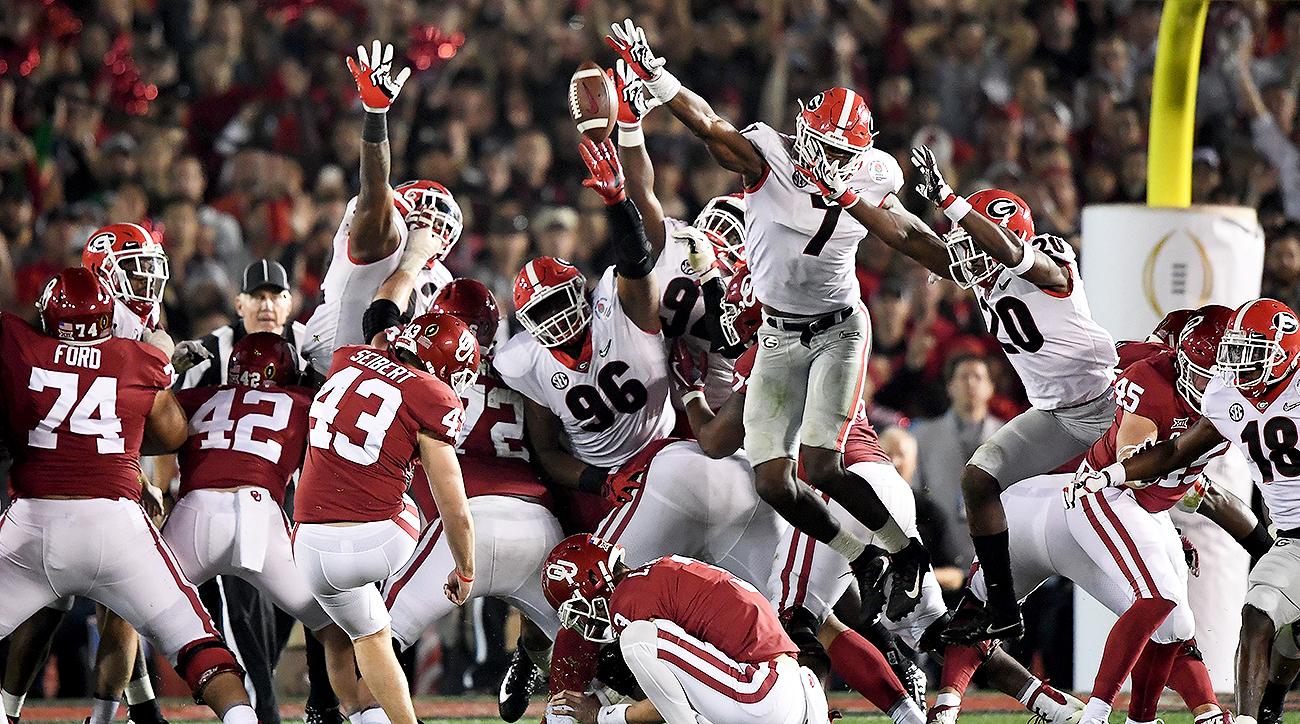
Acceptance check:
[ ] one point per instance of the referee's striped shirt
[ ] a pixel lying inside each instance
(220, 342)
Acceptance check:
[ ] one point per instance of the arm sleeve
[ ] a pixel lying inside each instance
(632, 252)
(434, 410)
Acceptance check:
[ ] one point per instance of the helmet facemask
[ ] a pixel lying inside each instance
(968, 264)
(726, 231)
(1246, 360)
(1192, 379)
(589, 617)
(558, 315)
(437, 211)
(139, 277)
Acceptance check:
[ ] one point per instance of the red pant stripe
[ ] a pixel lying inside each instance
(186, 587)
(743, 675)
(1110, 545)
(1130, 545)
(627, 517)
(430, 541)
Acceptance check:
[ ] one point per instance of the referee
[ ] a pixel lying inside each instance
(253, 628)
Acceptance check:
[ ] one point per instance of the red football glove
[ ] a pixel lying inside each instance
(629, 40)
(374, 76)
(606, 173)
(633, 100)
(688, 370)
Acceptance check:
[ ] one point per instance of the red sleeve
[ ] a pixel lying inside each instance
(159, 372)
(743, 369)
(436, 408)
(1148, 389)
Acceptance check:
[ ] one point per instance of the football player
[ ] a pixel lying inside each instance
(83, 405)
(411, 227)
(809, 578)
(1251, 404)
(692, 269)
(811, 363)
(381, 410)
(247, 439)
(702, 644)
(133, 265)
(514, 528)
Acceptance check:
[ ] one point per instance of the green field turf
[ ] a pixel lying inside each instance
(971, 718)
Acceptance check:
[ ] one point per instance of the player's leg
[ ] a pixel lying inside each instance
(342, 583)
(530, 664)
(29, 648)
(1272, 588)
(1033, 443)
(114, 661)
(682, 675)
(864, 668)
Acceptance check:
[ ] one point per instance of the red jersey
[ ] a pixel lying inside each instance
(243, 436)
(1147, 388)
(743, 369)
(1133, 352)
(493, 458)
(77, 411)
(363, 442)
(709, 603)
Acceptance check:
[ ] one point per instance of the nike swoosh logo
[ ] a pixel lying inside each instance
(1290, 406)
(916, 589)
(1004, 285)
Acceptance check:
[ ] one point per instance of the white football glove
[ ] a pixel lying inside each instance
(635, 101)
(699, 250)
(421, 243)
(1087, 482)
(931, 186)
(629, 40)
(187, 354)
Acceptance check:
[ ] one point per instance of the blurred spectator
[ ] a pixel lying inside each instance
(945, 444)
(1282, 266)
(1272, 113)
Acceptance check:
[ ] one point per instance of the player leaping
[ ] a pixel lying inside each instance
(812, 348)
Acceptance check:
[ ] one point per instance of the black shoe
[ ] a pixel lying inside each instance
(521, 680)
(907, 569)
(870, 569)
(986, 625)
(312, 715)
(1269, 715)
(913, 680)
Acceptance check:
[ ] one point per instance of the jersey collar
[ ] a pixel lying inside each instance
(581, 363)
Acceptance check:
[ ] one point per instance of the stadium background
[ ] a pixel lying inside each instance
(230, 129)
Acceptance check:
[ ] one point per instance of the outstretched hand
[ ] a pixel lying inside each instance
(373, 73)
(606, 172)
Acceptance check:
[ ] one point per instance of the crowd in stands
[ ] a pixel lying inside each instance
(230, 129)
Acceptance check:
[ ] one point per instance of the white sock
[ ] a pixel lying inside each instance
(1096, 709)
(374, 715)
(13, 703)
(240, 714)
(1127, 720)
(949, 699)
(847, 545)
(542, 659)
(1026, 695)
(102, 711)
(139, 691)
(891, 536)
(906, 712)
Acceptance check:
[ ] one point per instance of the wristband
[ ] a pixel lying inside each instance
(956, 207)
(463, 578)
(1258, 541)
(613, 714)
(630, 135)
(693, 395)
(846, 199)
(1026, 260)
(664, 86)
(592, 479)
(1115, 474)
(375, 128)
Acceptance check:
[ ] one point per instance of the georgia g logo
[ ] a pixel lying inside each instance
(1285, 323)
(1002, 209)
(101, 243)
(562, 571)
(815, 102)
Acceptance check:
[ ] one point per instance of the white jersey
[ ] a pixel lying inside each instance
(350, 287)
(613, 400)
(1063, 357)
(1265, 432)
(682, 313)
(801, 249)
(129, 325)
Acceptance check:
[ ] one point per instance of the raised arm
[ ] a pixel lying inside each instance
(373, 236)
(443, 471)
(1018, 255)
(638, 293)
(389, 306)
(633, 103)
(732, 150)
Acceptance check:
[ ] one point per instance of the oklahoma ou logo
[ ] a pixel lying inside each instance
(563, 571)
(465, 346)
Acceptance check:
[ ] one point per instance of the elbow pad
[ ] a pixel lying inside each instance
(634, 259)
(380, 315)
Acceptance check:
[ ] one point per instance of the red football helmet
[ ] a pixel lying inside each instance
(131, 262)
(263, 359)
(834, 123)
(75, 306)
(742, 315)
(1198, 344)
(1260, 347)
(723, 219)
(470, 301)
(435, 204)
(444, 346)
(577, 578)
(551, 301)
(968, 263)
(1169, 329)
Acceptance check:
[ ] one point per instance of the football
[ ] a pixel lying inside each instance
(592, 102)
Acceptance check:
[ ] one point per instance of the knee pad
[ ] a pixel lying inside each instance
(201, 660)
(1272, 603)
(612, 669)
(801, 626)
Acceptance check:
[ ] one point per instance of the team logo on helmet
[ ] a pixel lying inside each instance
(815, 102)
(1285, 323)
(1236, 412)
(101, 244)
(562, 570)
(559, 380)
(1002, 209)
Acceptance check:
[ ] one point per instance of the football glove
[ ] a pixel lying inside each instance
(373, 73)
